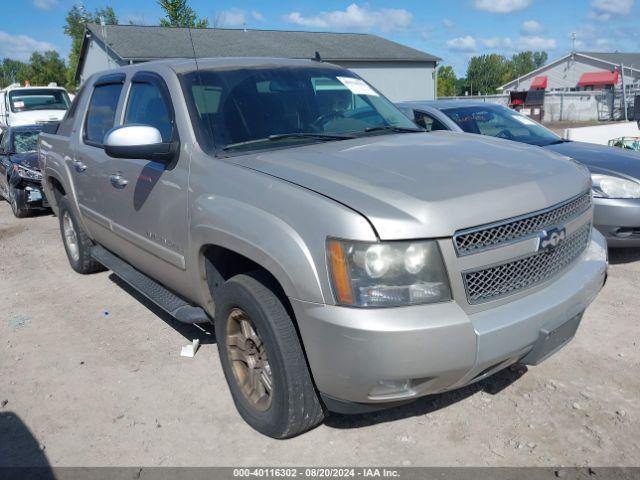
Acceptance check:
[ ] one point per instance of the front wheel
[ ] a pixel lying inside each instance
(17, 199)
(262, 358)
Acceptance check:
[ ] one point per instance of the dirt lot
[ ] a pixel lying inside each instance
(91, 376)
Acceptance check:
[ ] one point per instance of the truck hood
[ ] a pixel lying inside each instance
(418, 185)
(601, 158)
(35, 117)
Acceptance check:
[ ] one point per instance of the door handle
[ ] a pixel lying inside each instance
(79, 166)
(118, 180)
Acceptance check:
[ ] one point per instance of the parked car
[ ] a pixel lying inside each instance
(615, 172)
(20, 176)
(28, 105)
(349, 262)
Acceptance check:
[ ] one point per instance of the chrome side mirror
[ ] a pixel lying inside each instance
(139, 142)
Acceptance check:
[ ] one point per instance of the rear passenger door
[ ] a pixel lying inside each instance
(147, 203)
(89, 162)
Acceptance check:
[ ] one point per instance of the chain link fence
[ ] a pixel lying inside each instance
(584, 106)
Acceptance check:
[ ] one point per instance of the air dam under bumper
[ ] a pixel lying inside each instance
(361, 355)
(618, 220)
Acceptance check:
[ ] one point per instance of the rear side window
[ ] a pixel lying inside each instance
(147, 106)
(101, 113)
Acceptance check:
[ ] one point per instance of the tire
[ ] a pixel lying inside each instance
(17, 200)
(293, 406)
(76, 242)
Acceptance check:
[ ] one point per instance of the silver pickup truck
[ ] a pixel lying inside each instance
(348, 260)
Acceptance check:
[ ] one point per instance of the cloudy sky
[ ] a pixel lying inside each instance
(451, 29)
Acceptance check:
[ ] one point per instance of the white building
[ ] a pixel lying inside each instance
(398, 71)
(579, 71)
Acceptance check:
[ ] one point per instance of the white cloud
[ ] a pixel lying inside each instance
(447, 23)
(462, 44)
(257, 16)
(502, 6)
(520, 44)
(20, 47)
(536, 43)
(606, 9)
(44, 4)
(531, 27)
(234, 17)
(355, 17)
(497, 42)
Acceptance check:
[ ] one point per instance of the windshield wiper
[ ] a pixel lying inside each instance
(282, 136)
(394, 129)
(559, 141)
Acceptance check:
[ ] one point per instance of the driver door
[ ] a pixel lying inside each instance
(148, 199)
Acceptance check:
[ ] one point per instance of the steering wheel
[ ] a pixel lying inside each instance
(506, 134)
(325, 117)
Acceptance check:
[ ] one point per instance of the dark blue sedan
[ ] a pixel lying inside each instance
(615, 171)
(20, 176)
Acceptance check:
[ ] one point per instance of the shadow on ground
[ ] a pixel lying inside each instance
(623, 255)
(21, 455)
(202, 331)
(425, 405)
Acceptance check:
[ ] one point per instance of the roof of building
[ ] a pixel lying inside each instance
(140, 43)
(616, 58)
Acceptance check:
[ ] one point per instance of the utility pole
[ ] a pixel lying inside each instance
(624, 94)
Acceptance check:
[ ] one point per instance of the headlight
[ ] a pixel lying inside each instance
(387, 274)
(608, 186)
(25, 172)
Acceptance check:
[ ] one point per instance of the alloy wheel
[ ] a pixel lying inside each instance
(249, 361)
(70, 237)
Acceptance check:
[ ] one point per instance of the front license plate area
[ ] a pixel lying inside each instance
(550, 341)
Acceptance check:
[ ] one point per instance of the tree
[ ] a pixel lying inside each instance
(76, 21)
(525, 62)
(446, 81)
(179, 14)
(11, 71)
(44, 68)
(487, 72)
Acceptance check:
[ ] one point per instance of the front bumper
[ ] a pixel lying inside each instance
(618, 220)
(355, 354)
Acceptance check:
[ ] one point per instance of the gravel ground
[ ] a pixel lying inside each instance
(92, 376)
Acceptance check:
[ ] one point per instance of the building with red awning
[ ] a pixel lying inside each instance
(578, 71)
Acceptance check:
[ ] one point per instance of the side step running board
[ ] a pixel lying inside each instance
(179, 308)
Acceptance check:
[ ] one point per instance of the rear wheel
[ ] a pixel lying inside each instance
(76, 242)
(262, 358)
(17, 199)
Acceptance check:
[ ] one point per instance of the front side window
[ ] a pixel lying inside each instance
(4, 143)
(501, 122)
(429, 123)
(266, 107)
(38, 99)
(26, 141)
(101, 113)
(147, 106)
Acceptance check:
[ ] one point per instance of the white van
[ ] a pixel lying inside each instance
(32, 105)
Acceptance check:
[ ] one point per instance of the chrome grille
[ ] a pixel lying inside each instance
(481, 238)
(510, 277)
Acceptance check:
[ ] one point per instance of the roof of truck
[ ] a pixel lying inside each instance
(185, 65)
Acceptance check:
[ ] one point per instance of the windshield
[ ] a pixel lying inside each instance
(243, 109)
(502, 122)
(38, 99)
(24, 142)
